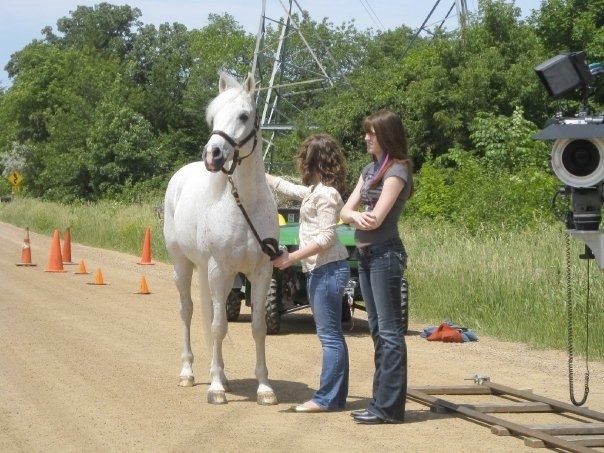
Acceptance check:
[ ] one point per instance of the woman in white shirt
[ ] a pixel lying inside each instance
(324, 260)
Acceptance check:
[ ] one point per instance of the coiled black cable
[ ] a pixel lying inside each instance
(569, 312)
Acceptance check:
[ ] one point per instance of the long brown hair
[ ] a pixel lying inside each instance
(390, 134)
(320, 155)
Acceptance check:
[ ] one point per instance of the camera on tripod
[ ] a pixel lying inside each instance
(577, 156)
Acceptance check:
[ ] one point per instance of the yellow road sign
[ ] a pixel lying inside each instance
(15, 178)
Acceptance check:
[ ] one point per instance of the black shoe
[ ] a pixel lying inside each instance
(359, 412)
(371, 419)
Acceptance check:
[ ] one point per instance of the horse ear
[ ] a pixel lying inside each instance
(250, 83)
(222, 82)
(226, 81)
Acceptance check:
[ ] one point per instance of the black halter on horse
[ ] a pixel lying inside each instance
(236, 146)
(270, 246)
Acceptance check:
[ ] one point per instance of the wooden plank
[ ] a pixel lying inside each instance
(471, 414)
(574, 437)
(454, 390)
(558, 405)
(534, 443)
(499, 430)
(510, 407)
(586, 441)
(572, 428)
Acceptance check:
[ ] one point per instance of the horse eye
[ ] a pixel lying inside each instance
(244, 117)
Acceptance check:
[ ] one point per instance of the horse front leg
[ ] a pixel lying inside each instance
(265, 394)
(219, 384)
(183, 271)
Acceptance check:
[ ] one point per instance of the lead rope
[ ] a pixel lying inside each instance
(270, 246)
(569, 312)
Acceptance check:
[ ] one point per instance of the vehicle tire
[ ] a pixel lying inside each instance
(273, 315)
(405, 304)
(233, 305)
(347, 299)
(346, 313)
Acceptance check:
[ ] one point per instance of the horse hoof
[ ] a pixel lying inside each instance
(217, 397)
(267, 399)
(186, 381)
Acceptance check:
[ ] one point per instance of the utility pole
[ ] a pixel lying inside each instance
(273, 66)
(462, 13)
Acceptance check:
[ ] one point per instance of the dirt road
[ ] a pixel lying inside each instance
(94, 368)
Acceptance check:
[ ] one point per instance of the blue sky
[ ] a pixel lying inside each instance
(21, 21)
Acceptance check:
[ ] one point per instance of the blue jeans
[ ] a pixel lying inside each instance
(325, 289)
(381, 268)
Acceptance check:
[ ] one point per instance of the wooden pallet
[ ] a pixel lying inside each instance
(585, 431)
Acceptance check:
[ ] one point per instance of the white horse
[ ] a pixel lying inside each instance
(220, 217)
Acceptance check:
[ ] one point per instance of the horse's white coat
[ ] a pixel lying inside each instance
(205, 229)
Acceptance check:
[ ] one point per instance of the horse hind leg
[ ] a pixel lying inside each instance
(183, 272)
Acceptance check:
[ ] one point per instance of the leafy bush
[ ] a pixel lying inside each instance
(504, 182)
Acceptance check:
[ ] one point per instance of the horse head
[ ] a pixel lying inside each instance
(232, 117)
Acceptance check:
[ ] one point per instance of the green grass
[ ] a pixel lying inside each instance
(107, 225)
(508, 284)
(511, 285)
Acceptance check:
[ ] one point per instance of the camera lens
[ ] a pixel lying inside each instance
(581, 157)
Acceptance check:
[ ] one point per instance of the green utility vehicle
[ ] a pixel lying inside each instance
(287, 293)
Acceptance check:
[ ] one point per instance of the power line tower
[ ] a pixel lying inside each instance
(285, 73)
(290, 62)
(461, 9)
(462, 12)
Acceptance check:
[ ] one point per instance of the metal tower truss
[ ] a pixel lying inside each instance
(462, 12)
(291, 62)
(286, 68)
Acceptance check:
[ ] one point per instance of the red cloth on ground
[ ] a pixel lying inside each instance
(446, 334)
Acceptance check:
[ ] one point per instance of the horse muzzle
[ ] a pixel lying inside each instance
(213, 158)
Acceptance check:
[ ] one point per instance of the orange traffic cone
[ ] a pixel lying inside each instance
(67, 248)
(55, 262)
(82, 269)
(98, 278)
(142, 287)
(26, 251)
(146, 255)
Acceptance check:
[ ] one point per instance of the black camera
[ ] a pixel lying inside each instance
(577, 156)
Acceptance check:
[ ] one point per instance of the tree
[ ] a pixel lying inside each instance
(104, 27)
(108, 106)
(502, 178)
(120, 150)
(52, 112)
(504, 143)
(572, 25)
(159, 64)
